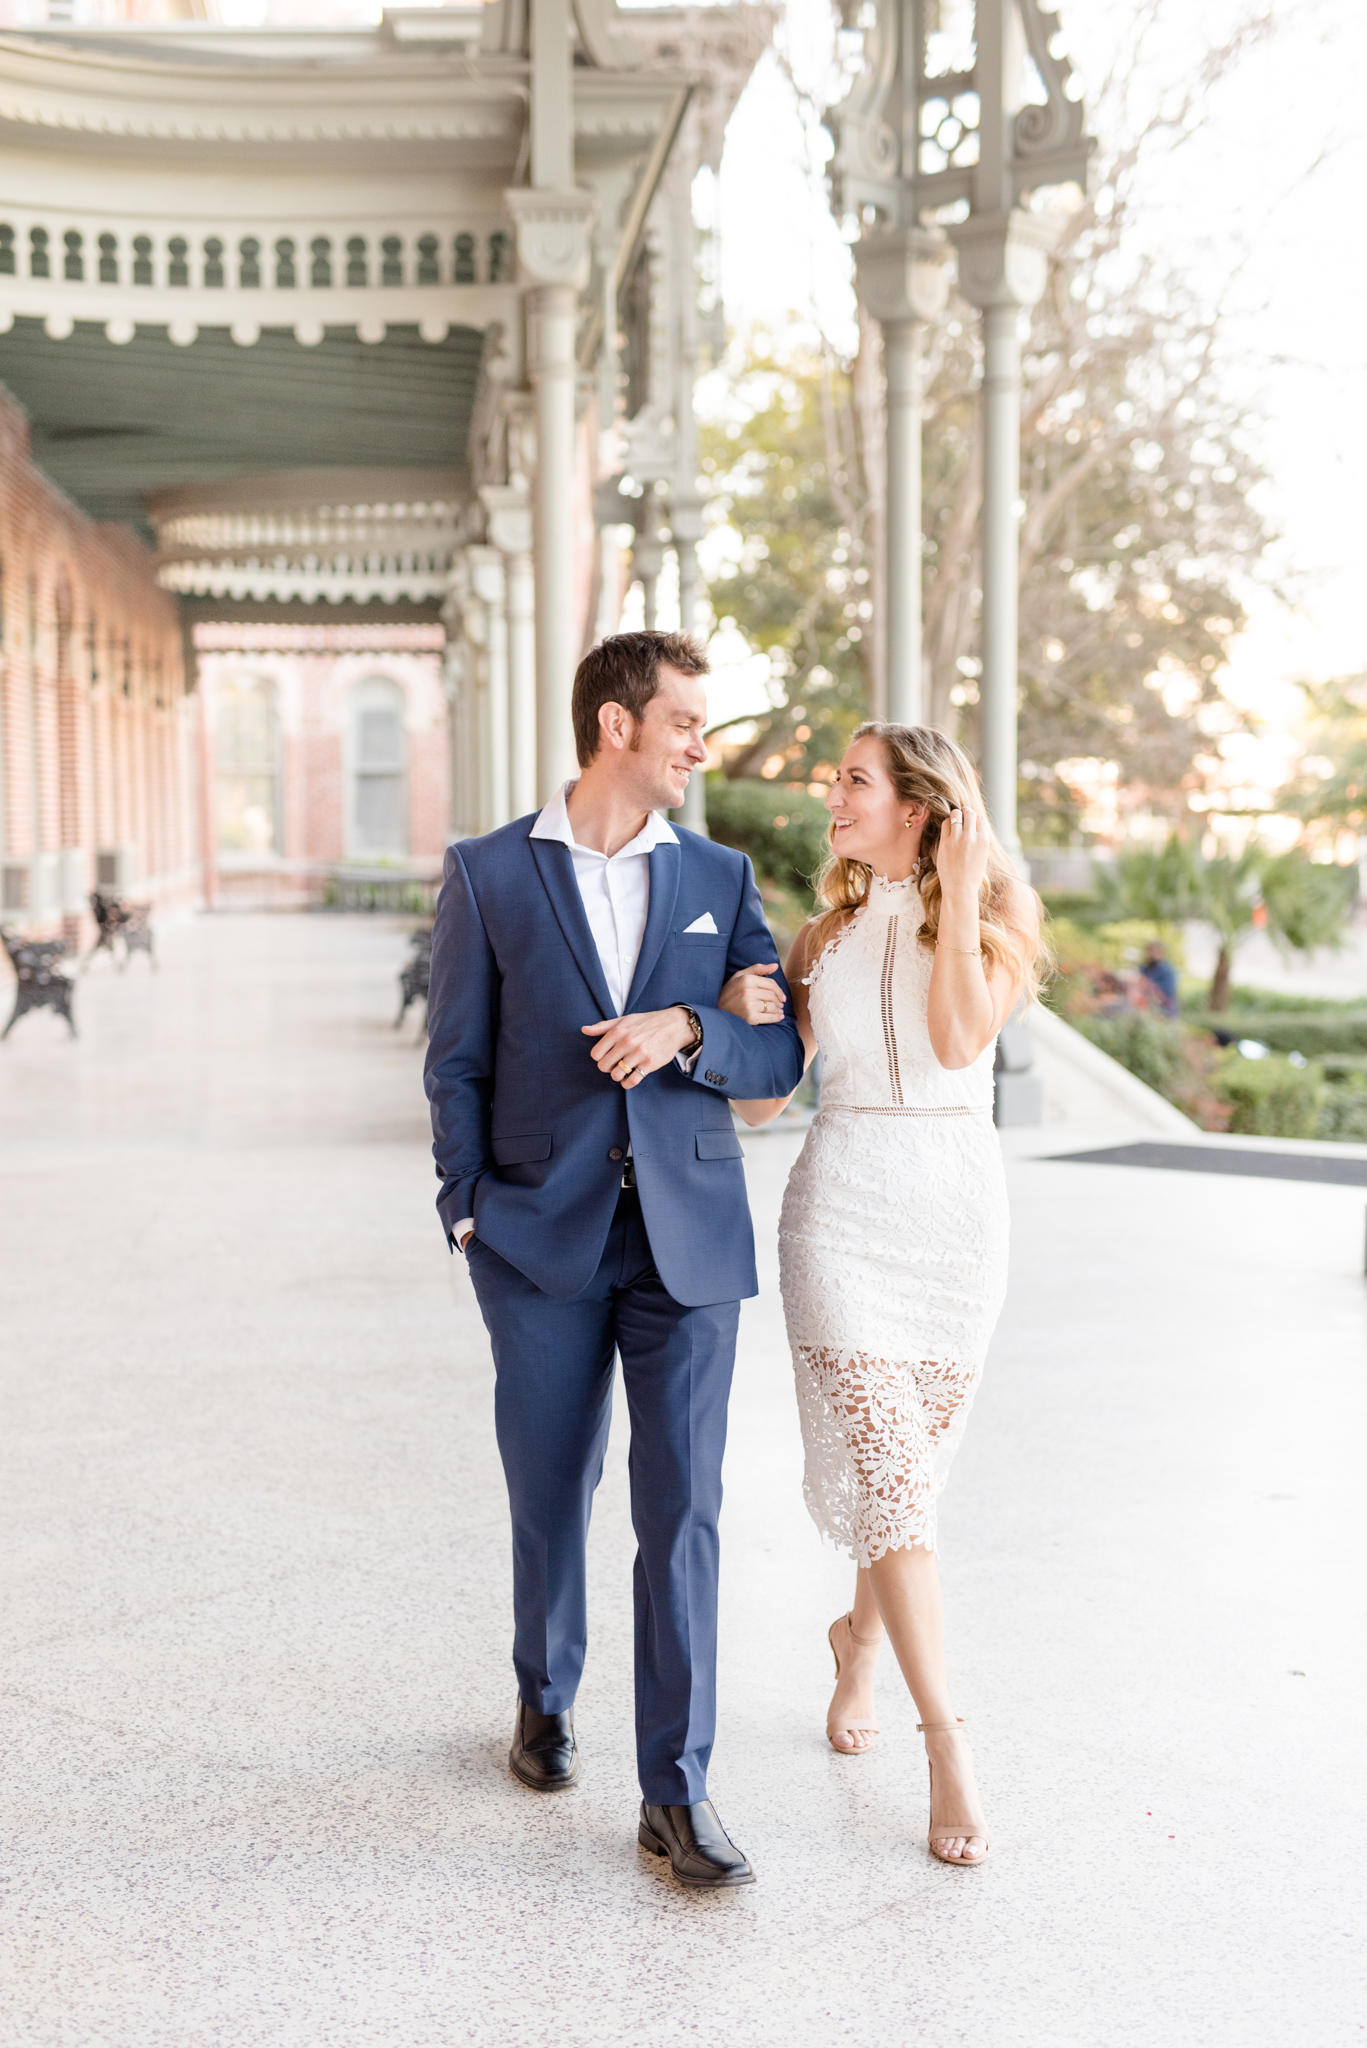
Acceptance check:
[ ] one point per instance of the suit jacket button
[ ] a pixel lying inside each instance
(616, 1152)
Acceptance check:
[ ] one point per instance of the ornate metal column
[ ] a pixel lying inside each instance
(1003, 266)
(932, 133)
(685, 525)
(553, 252)
(902, 279)
(459, 664)
(553, 219)
(490, 587)
(510, 530)
(647, 555)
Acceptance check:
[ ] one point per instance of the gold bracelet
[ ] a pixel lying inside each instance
(969, 952)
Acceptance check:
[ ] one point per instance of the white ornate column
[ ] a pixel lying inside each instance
(468, 605)
(902, 279)
(915, 134)
(459, 682)
(1003, 267)
(610, 508)
(490, 586)
(685, 525)
(553, 256)
(647, 556)
(510, 530)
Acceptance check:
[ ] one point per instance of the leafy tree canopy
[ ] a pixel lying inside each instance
(1332, 787)
(783, 468)
(1140, 486)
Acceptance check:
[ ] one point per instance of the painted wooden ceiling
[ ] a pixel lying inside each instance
(113, 424)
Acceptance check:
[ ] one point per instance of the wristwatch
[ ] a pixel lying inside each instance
(696, 1021)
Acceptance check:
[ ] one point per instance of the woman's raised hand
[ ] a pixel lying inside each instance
(751, 996)
(961, 855)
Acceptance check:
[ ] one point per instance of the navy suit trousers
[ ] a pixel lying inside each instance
(552, 1406)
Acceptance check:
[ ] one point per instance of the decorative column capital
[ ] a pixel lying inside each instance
(610, 507)
(457, 592)
(1004, 257)
(553, 240)
(509, 512)
(486, 576)
(647, 554)
(902, 273)
(685, 518)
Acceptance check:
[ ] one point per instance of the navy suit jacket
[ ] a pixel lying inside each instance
(529, 1134)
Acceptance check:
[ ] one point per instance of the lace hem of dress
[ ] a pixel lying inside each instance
(879, 1436)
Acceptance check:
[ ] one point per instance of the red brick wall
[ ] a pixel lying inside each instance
(96, 734)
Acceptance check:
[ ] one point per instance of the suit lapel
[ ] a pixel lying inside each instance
(556, 865)
(664, 892)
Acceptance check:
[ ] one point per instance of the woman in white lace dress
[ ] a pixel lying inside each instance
(894, 1226)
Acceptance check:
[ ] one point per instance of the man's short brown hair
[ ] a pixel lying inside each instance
(625, 669)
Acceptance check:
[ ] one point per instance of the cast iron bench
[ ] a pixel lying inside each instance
(414, 977)
(41, 983)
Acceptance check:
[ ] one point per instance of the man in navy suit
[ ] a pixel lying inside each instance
(579, 1070)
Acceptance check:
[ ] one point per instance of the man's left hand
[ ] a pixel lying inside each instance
(629, 1048)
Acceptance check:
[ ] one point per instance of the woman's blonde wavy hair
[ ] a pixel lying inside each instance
(929, 771)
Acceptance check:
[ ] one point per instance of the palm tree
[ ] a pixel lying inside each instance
(1229, 897)
(1300, 903)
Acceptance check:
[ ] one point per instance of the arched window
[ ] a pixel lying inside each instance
(247, 757)
(378, 810)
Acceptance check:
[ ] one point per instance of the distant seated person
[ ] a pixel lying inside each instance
(1113, 999)
(1161, 976)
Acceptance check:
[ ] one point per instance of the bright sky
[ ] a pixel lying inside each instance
(1243, 196)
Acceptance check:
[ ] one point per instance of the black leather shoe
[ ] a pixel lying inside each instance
(544, 1754)
(699, 1849)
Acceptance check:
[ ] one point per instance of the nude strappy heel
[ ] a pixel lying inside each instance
(964, 1829)
(834, 1723)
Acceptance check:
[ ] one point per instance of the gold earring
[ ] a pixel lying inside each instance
(907, 824)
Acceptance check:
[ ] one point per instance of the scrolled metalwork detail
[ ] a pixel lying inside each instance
(1056, 123)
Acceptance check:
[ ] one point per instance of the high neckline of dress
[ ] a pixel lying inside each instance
(891, 898)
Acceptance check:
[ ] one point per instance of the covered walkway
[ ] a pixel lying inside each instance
(255, 1640)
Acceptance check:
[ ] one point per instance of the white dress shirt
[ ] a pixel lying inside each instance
(614, 889)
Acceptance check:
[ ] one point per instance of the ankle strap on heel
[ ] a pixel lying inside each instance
(867, 1642)
(939, 1727)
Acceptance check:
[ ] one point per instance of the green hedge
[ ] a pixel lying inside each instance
(1177, 1063)
(1270, 1098)
(1149, 1046)
(1311, 1032)
(780, 826)
(1343, 1112)
(1276, 1001)
(1267, 1098)
(1344, 1066)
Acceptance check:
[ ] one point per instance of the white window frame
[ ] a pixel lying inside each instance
(395, 698)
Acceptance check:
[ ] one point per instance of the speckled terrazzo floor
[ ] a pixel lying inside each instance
(255, 1643)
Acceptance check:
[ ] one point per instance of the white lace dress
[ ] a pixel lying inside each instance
(892, 1239)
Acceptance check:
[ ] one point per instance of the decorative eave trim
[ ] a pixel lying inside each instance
(426, 96)
(430, 96)
(435, 310)
(257, 583)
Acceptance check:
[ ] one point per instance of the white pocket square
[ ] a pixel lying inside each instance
(705, 923)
